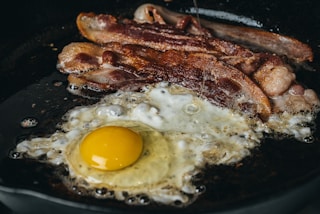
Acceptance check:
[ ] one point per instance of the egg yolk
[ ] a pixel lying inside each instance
(111, 148)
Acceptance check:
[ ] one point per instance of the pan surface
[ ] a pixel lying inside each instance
(279, 177)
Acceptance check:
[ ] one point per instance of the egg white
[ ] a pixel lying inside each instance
(181, 134)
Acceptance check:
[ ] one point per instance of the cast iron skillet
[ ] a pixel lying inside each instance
(279, 176)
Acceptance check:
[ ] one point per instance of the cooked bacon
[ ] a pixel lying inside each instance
(104, 28)
(129, 67)
(274, 77)
(129, 55)
(275, 43)
(296, 99)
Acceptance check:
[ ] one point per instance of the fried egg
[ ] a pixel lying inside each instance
(148, 146)
(148, 143)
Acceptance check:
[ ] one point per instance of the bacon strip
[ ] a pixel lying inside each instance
(275, 43)
(104, 28)
(128, 67)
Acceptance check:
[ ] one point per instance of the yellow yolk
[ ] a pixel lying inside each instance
(111, 148)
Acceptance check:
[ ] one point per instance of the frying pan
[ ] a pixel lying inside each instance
(279, 177)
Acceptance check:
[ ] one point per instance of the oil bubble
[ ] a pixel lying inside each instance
(201, 189)
(191, 109)
(131, 200)
(101, 191)
(15, 155)
(308, 139)
(104, 193)
(29, 122)
(144, 200)
(177, 203)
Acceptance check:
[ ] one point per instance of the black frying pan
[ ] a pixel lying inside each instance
(279, 177)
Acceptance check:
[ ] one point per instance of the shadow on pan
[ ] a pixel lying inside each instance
(279, 177)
